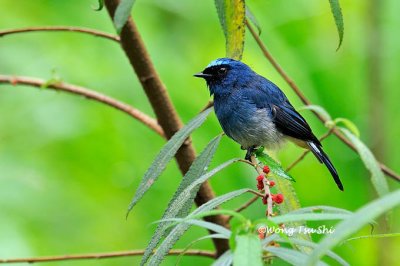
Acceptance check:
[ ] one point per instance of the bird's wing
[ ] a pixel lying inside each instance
(266, 95)
(291, 123)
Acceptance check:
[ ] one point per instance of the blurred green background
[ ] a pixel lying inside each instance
(69, 166)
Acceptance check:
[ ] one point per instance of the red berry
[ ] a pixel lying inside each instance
(260, 178)
(264, 200)
(271, 183)
(277, 198)
(260, 186)
(266, 169)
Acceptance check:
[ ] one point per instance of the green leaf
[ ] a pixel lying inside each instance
(372, 236)
(248, 250)
(349, 125)
(232, 15)
(181, 207)
(377, 177)
(178, 259)
(308, 217)
(204, 224)
(225, 259)
(122, 13)
(100, 7)
(166, 154)
(321, 208)
(291, 256)
(338, 16)
(250, 16)
(310, 244)
(180, 229)
(275, 167)
(353, 223)
(317, 109)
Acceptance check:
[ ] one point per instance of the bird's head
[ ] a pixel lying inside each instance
(224, 74)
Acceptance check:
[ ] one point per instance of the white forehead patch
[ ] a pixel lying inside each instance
(220, 61)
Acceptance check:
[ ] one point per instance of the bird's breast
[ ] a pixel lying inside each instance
(247, 124)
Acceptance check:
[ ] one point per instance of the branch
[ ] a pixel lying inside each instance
(61, 28)
(135, 50)
(306, 101)
(60, 86)
(190, 252)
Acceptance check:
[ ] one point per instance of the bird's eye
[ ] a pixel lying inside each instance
(222, 70)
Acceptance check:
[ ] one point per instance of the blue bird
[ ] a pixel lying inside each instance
(253, 111)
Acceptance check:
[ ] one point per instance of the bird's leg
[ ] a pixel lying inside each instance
(249, 152)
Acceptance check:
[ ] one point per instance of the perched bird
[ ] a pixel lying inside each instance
(253, 111)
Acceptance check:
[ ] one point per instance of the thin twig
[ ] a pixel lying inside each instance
(61, 28)
(65, 87)
(247, 204)
(190, 252)
(306, 101)
(267, 191)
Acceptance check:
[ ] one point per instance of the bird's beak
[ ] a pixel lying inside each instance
(202, 75)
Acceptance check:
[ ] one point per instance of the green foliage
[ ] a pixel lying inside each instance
(181, 228)
(377, 177)
(166, 154)
(100, 6)
(318, 109)
(354, 222)
(122, 13)
(250, 16)
(275, 167)
(248, 250)
(349, 125)
(338, 16)
(232, 15)
(179, 207)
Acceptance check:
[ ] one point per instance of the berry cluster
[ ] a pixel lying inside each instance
(262, 181)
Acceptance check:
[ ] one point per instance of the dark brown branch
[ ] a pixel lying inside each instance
(65, 87)
(61, 28)
(306, 101)
(135, 50)
(190, 252)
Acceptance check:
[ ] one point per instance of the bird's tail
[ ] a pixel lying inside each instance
(323, 158)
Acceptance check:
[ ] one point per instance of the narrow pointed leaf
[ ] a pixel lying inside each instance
(291, 256)
(338, 16)
(232, 15)
(310, 244)
(321, 208)
(225, 259)
(100, 7)
(317, 109)
(250, 16)
(354, 223)
(308, 217)
(122, 13)
(180, 229)
(349, 125)
(166, 154)
(248, 250)
(275, 167)
(197, 169)
(377, 177)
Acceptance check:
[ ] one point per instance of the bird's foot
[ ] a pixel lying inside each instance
(249, 153)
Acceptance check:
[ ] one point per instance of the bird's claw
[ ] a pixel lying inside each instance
(249, 153)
